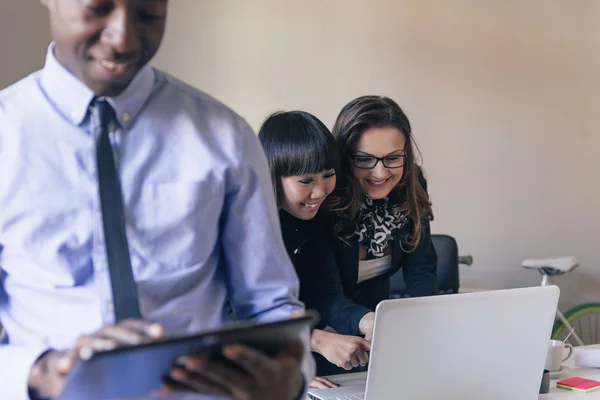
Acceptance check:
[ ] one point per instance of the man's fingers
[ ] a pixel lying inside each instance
(239, 383)
(61, 363)
(255, 363)
(295, 349)
(165, 390)
(127, 332)
(146, 328)
(184, 380)
(124, 335)
(96, 345)
(170, 385)
(85, 347)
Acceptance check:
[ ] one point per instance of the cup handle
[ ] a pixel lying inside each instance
(570, 347)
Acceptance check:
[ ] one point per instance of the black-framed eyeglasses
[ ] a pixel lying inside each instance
(369, 162)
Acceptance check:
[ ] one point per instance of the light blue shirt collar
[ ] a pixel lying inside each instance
(72, 97)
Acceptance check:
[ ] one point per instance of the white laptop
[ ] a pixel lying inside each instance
(485, 345)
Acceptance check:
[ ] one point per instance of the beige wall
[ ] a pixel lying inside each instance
(24, 38)
(503, 96)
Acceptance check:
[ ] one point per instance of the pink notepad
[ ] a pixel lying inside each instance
(578, 384)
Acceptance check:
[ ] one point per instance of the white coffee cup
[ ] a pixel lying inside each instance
(555, 356)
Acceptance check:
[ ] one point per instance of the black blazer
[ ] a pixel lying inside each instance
(309, 245)
(418, 267)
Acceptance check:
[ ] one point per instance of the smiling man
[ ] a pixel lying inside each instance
(114, 172)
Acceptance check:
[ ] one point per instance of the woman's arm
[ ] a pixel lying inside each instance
(337, 310)
(345, 351)
(420, 266)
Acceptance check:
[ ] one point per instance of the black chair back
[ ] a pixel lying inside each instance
(447, 268)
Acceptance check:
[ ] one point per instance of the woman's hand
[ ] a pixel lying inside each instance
(366, 325)
(321, 383)
(342, 350)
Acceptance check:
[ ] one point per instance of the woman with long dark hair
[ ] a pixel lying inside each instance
(381, 204)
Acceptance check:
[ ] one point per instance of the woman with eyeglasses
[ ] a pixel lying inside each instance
(381, 204)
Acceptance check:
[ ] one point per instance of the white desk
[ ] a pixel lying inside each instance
(555, 394)
(590, 373)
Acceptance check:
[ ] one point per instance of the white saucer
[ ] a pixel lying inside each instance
(557, 374)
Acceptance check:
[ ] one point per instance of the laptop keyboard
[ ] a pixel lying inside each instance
(342, 397)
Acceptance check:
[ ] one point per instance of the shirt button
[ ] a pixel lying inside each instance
(109, 307)
(73, 115)
(125, 117)
(296, 251)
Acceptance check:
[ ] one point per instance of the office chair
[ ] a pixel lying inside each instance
(447, 268)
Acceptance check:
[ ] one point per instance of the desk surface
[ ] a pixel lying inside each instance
(555, 394)
(570, 371)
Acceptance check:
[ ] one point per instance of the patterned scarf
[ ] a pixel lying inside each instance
(376, 225)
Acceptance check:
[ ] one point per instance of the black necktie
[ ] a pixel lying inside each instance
(113, 218)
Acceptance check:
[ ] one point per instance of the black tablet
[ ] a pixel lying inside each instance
(135, 371)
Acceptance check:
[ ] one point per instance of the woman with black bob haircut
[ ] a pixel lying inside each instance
(381, 204)
(303, 159)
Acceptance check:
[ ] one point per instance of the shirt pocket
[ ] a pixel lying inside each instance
(177, 224)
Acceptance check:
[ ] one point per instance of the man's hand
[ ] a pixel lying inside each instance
(47, 377)
(253, 375)
(342, 350)
(366, 324)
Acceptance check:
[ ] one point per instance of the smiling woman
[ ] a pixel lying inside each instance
(303, 158)
(381, 204)
(377, 176)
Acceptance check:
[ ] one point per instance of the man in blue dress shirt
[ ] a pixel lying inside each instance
(201, 220)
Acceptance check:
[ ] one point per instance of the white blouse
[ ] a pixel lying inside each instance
(369, 269)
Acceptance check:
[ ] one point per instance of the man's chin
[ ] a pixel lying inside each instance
(109, 88)
(104, 82)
